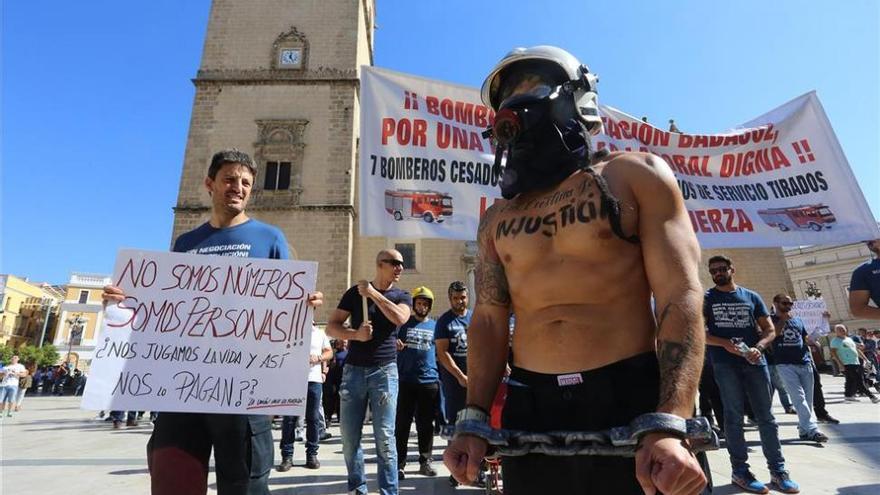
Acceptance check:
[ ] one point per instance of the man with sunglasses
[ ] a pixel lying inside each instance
(576, 247)
(865, 286)
(370, 373)
(739, 329)
(791, 350)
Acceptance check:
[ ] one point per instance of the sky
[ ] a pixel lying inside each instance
(97, 96)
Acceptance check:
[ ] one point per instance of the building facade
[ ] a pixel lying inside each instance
(829, 269)
(80, 317)
(279, 79)
(26, 309)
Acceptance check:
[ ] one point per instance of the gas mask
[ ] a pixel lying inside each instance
(538, 135)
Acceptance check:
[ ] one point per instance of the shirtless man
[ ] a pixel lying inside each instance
(575, 250)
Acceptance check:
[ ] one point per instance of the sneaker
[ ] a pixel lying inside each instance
(400, 474)
(131, 422)
(452, 481)
(814, 436)
(325, 436)
(286, 464)
(851, 399)
(790, 410)
(875, 399)
(117, 425)
(828, 419)
(783, 483)
(312, 462)
(748, 483)
(425, 469)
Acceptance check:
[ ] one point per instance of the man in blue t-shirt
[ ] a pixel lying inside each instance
(419, 387)
(370, 373)
(180, 447)
(791, 351)
(739, 329)
(865, 285)
(451, 340)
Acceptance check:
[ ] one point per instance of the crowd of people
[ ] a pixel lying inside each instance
(588, 352)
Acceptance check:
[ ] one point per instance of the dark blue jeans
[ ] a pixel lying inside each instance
(736, 380)
(122, 416)
(313, 418)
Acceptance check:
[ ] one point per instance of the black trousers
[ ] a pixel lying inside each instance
(818, 396)
(419, 400)
(710, 397)
(855, 381)
(180, 448)
(606, 397)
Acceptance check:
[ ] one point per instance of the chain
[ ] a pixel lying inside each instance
(619, 442)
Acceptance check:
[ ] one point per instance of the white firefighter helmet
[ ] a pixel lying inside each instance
(582, 82)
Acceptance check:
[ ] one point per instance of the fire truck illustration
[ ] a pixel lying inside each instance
(814, 217)
(430, 206)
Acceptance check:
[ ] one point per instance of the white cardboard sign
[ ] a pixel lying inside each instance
(196, 333)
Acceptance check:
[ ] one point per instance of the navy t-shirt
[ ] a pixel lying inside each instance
(733, 314)
(382, 348)
(453, 327)
(790, 345)
(867, 277)
(251, 239)
(417, 362)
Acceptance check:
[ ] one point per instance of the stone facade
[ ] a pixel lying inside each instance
(308, 115)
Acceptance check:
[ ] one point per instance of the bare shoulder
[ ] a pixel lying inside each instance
(644, 174)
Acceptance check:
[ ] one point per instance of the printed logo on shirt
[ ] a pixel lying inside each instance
(791, 337)
(732, 315)
(420, 338)
(460, 340)
(240, 250)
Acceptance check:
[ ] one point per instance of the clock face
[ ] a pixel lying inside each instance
(291, 57)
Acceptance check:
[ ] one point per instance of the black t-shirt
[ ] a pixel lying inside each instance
(382, 349)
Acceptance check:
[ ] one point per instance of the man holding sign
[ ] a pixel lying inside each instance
(376, 309)
(576, 249)
(180, 447)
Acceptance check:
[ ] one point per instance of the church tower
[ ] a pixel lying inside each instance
(279, 80)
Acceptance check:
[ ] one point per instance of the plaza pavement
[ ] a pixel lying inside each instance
(52, 446)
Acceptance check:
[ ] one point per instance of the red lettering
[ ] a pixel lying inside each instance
(387, 129)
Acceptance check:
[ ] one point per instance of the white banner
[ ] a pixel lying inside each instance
(196, 333)
(780, 180)
(813, 313)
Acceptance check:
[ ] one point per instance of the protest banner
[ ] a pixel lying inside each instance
(779, 180)
(813, 313)
(196, 333)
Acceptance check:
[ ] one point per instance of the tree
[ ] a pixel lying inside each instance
(6, 353)
(30, 354)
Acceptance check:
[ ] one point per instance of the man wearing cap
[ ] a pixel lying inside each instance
(576, 248)
(419, 386)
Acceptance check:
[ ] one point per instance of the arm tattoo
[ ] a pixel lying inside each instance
(490, 279)
(680, 361)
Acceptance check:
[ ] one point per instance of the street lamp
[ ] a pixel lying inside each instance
(47, 303)
(75, 331)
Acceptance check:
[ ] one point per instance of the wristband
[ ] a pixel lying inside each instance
(472, 413)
